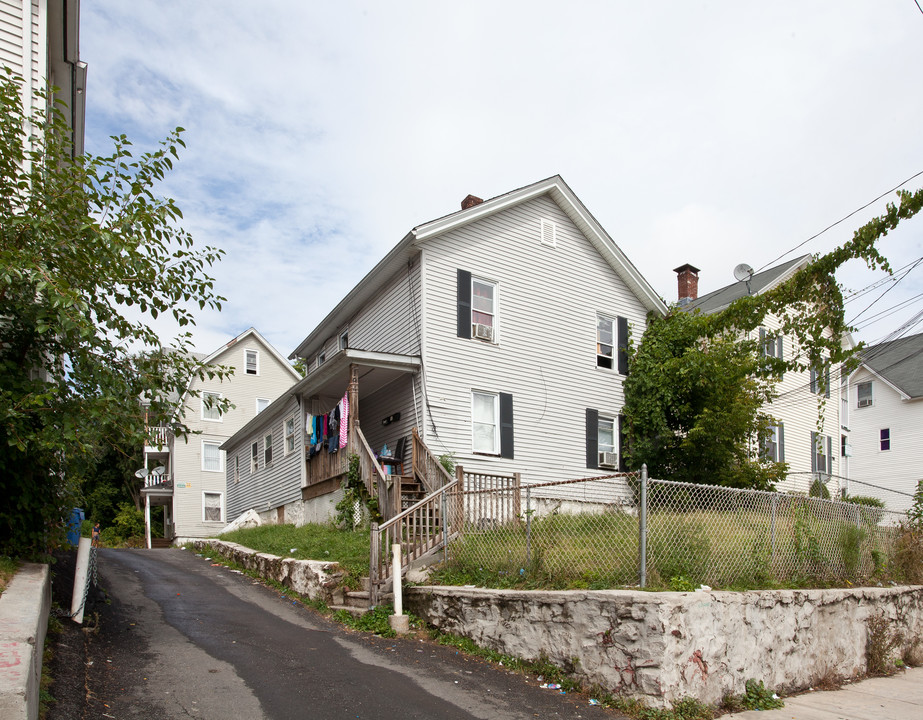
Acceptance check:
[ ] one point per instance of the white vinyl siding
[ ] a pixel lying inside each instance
(538, 361)
(388, 322)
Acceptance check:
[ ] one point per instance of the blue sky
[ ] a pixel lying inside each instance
(318, 133)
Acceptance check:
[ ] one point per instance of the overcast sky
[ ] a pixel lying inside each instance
(320, 133)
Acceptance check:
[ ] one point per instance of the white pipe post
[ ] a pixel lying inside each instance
(80, 579)
(147, 520)
(396, 576)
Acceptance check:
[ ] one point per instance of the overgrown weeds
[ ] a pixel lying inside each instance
(882, 640)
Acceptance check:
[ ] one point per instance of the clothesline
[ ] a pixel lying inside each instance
(329, 430)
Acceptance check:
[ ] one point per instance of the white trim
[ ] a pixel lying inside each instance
(221, 506)
(217, 445)
(895, 388)
(264, 400)
(494, 315)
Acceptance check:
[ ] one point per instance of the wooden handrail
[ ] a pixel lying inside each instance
(426, 466)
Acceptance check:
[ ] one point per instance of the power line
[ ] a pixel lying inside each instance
(896, 283)
(842, 219)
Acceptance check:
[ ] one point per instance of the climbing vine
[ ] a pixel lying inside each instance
(699, 384)
(355, 497)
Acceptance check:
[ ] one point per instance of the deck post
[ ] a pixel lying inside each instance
(374, 560)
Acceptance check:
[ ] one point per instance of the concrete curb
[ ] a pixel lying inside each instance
(24, 608)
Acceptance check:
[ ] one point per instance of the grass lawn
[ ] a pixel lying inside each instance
(309, 542)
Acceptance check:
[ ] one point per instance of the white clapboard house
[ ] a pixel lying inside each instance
(494, 335)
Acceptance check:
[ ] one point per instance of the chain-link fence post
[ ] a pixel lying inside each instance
(775, 513)
(528, 525)
(642, 530)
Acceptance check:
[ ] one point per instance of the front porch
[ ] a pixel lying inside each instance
(384, 404)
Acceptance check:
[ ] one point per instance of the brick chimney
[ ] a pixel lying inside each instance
(471, 201)
(687, 279)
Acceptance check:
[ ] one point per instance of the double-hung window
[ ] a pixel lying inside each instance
(605, 341)
(821, 454)
(820, 380)
(267, 450)
(486, 422)
(477, 308)
(603, 441)
(492, 423)
(211, 409)
(289, 435)
(864, 392)
(884, 439)
(211, 507)
(770, 345)
(773, 446)
(251, 362)
(254, 457)
(262, 404)
(211, 456)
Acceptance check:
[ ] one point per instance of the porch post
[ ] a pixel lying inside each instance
(147, 520)
(352, 391)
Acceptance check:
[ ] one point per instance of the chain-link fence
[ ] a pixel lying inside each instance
(621, 530)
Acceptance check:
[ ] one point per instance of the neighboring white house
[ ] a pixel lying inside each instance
(39, 41)
(810, 452)
(192, 484)
(886, 422)
(497, 332)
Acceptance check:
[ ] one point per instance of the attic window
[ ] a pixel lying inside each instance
(252, 362)
(549, 233)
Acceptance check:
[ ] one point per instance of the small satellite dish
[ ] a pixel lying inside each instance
(743, 272)
(142, 473)
(159, 470)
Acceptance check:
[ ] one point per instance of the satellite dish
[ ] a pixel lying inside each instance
(159, 470)
(743, 272)
(142, 473)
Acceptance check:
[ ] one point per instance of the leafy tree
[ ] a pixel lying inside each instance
(697, 385)
(693, 405)
(89, 255)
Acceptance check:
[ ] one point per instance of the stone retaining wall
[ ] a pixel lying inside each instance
(315, 579)
(661, 647)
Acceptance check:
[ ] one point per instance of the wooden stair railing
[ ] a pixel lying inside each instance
(424, 526)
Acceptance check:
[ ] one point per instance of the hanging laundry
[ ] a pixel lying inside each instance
(333, 430)
(344, 425)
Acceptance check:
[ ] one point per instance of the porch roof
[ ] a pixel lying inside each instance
(330, 380)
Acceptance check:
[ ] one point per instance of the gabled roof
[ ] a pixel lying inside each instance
(554, 187)
(760, 282)
(209, 359)
(898, 362)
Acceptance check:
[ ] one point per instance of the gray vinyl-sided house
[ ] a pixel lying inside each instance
(494, 335)
(190, 482)
(811, 452)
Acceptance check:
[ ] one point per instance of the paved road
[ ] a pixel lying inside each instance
(182, 638)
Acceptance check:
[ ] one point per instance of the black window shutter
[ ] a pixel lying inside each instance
(781, 442)
(763, 341)
(623, 345)
(814, 381)
(623, 443)
(827, 381)
(592, 438)
(829, 457)
(813, 452)
(464, 304)
(779, 347)
(506, 425)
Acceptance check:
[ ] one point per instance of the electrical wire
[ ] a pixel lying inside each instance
(842, 219)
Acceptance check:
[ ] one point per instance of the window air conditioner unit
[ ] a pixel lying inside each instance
(865, 402)
(608, 460)
(483, 332)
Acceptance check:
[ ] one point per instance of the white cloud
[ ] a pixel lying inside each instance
(319, 134)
